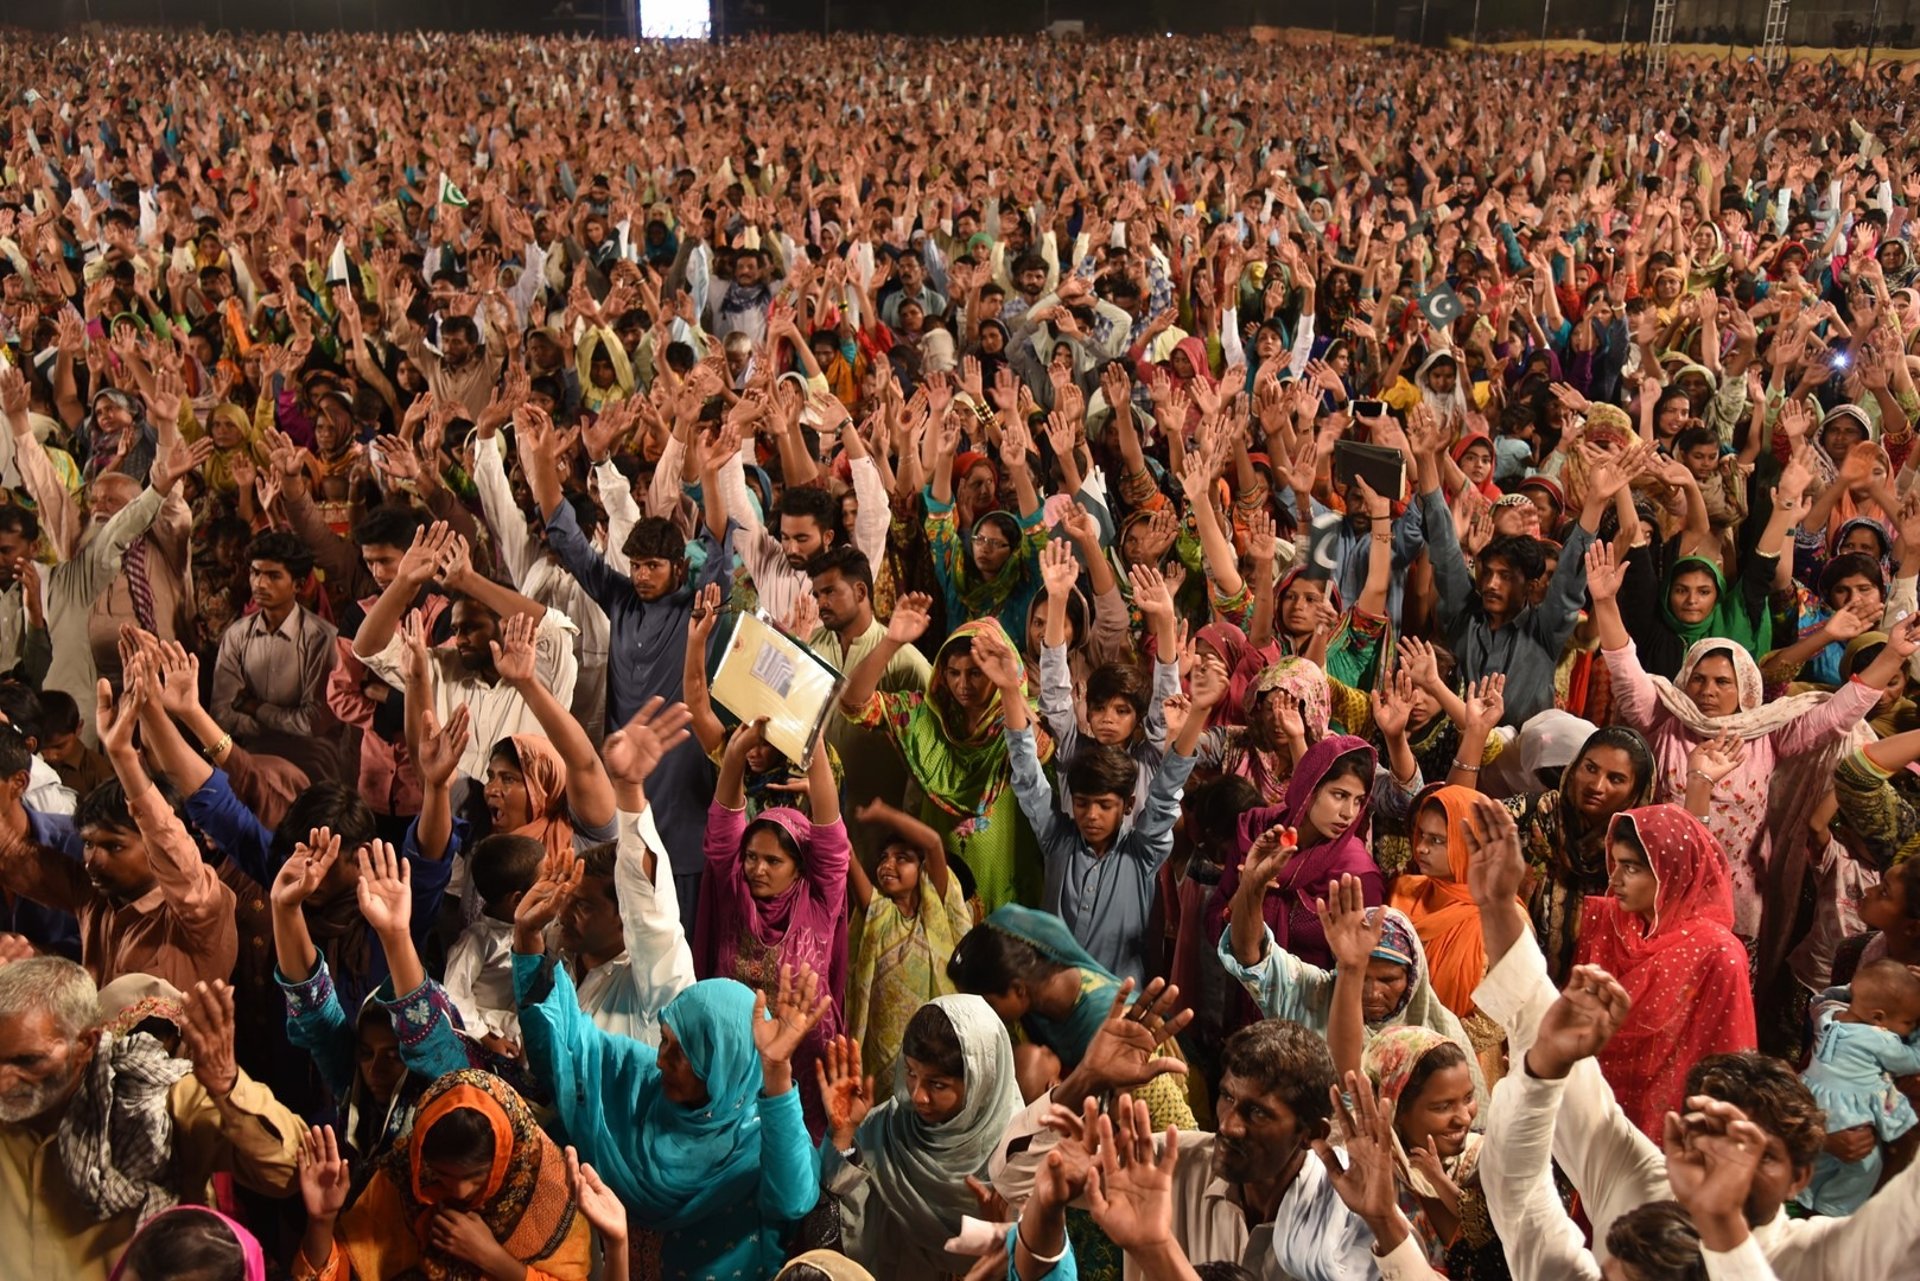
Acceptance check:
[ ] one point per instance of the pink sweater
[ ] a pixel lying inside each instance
(1739, 816)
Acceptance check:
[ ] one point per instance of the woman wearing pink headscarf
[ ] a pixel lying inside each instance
(225, 1250)
(775, 895)
(1184, 370)
(1761, 811)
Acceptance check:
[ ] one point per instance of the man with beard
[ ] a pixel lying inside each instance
(808, 516)
(465, 676)
(1488, 616)
(777, 567)
(843, 590)
(739, 305)
(648, 608)
(63, 1082)
(102, 566)
(1256, 1193)
(463, 371)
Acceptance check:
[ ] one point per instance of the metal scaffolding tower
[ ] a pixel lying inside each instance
(1773, 47)
(1659, 37)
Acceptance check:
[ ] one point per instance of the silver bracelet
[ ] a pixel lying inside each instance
(1066, 1248)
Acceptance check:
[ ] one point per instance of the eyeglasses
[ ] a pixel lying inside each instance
(985, 543)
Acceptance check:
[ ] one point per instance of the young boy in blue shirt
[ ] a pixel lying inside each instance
(1100, 868)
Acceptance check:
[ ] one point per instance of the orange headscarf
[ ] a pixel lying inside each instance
(1443, 912)
(528, 1204)
(549, 820)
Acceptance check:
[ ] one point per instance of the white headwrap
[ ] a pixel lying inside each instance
(918, 1172)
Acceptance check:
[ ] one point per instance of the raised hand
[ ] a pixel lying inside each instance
(603, 1209)
(540, 907)
(847, 1095)
(206, 1027)
(514, 654)
(994, 656)
(182, 459)
(1352, 932)
(305, 869)
(1377, 506)
(175, 685)
(1605, 571)
(1058, 568)
(1579, 1024)
(324, 1179)
(1268, 856)
(1123, 1053)
(385, 889)
(1207, 686)
(781, 1025)
(1613, 473)
(1419, 661)
(1486, 702)
(421, 561)
(1715, 758)
(1392, 701)
(116, 720)
(441, 748)
(1713, 1153)
(912, 615)
(1904, 639)
(455, 563)
(1129, 1187)
(632, 752)
(1365, 1181)
(704, 616)
(1293, 722)
(1495, 865)
(1207, 682)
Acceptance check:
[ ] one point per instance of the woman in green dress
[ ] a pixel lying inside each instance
(953, 738)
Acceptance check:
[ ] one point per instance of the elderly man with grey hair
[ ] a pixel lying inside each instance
(98, 1133)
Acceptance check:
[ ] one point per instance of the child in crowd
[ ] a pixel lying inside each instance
(480, 962)
(1102, 866)
(80, 767)
(909, 915)
(1123, 709)
(1865, 1036)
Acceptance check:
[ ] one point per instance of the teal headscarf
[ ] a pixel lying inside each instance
(1048, 935)
(1729, 619)
(697, 1160)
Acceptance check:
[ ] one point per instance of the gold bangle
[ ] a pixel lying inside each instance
(218, 750)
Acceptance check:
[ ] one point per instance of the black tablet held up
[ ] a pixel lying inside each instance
(1383, 468)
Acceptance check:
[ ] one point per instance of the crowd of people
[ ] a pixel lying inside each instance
(1372, 603)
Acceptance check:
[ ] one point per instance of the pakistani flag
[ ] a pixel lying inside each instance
(337, 270)
(1441, 307)
(450, 194)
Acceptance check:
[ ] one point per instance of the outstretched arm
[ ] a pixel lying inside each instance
(707, 726)
(416, 569)
(908, 624)
(589, 792)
